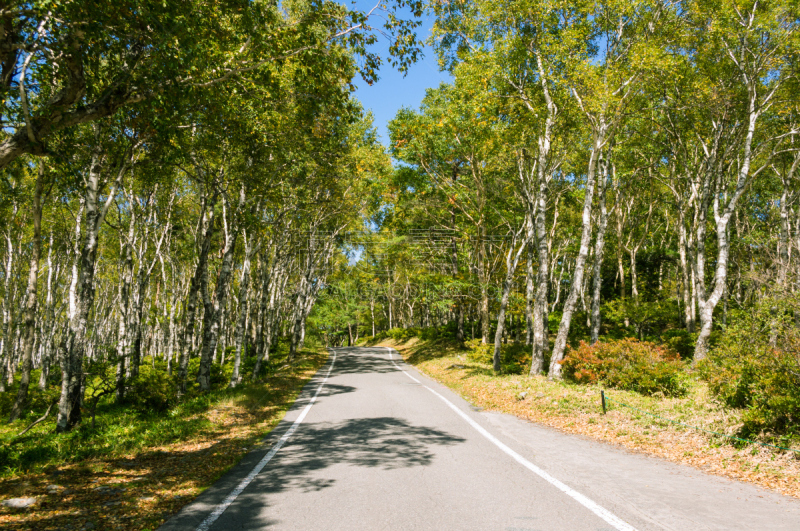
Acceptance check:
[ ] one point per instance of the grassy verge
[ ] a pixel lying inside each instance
(134, 471)
(576, 409)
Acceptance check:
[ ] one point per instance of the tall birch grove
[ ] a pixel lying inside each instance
(594, 170)
(193, 187)
(175, 181)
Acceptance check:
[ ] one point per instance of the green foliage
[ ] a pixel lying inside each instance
(438, 332)
(152, 390)
(217, 375)
(39, 399)
(121, 430)
(627, 364)
(646, 318)
(756, 366)
(515, 358)
(681, 341)
(403, 334)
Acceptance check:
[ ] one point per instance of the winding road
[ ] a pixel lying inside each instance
(371, 444)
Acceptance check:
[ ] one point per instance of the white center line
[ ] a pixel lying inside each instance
(216, 513)
(603, 513)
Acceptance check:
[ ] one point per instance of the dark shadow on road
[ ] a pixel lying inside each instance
(382, 442)
(362, 361)
(334, 389)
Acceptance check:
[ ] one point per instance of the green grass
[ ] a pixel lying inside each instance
(165, 458)
(127, 428)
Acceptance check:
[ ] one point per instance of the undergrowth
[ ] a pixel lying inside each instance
(152, 415)
(136, 468)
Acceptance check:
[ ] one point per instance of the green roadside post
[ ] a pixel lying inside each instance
(603, 400)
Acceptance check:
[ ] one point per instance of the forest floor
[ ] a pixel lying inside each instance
(577, 409)
(133, 473)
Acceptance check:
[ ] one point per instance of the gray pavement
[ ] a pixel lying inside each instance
(377, 450)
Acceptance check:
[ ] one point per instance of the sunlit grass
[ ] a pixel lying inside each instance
(163, 459)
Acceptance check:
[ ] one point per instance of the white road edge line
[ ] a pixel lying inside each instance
(603, 513)
(216, 513)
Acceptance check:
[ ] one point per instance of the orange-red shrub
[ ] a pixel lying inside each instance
(627, 364)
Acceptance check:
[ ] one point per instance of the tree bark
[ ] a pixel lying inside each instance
(529, 295)
(213, 307)
(30, 304)
(69, 406)
(686, 275)
(124, 308)
(599, 248)
(8, 302)
(709, 302)
(241, 325)
(784, 245)
(577, 275)
(186, 340)
(49, 325)
(512, 260)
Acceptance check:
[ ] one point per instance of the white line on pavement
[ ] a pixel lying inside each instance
(206, 524)
(603, 513)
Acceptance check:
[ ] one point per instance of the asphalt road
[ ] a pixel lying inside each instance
(371, 444)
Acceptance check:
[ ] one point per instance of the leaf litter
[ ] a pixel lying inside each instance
(139, 491)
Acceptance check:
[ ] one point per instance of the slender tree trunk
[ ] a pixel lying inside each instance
(784, 247)
(49, 326)
(634, 277)
(372, 314)
(459, 310)
(541, 339)
(186, 340)
(30, 304)
(686, 275)
(8, 302)
(484, 302)
(241, 325)
(213, 308)
(512, 260)
(580, 262)
(599, 248)
(708, 303)
(277, 283)
(529, 295)
(126, 278)
(69, 407)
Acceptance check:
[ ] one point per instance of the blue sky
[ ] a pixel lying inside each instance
(393, 91)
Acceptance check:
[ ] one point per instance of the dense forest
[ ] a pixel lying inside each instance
(174, 180)
(596, 172)
(193, 188)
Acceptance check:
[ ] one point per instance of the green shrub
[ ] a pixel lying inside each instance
(478, 352)
(646, 319)
(515, 358)
(681, 341)
(756, 366)
(627, 364)
(403, 334)
(152, 391)
(429, 333)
